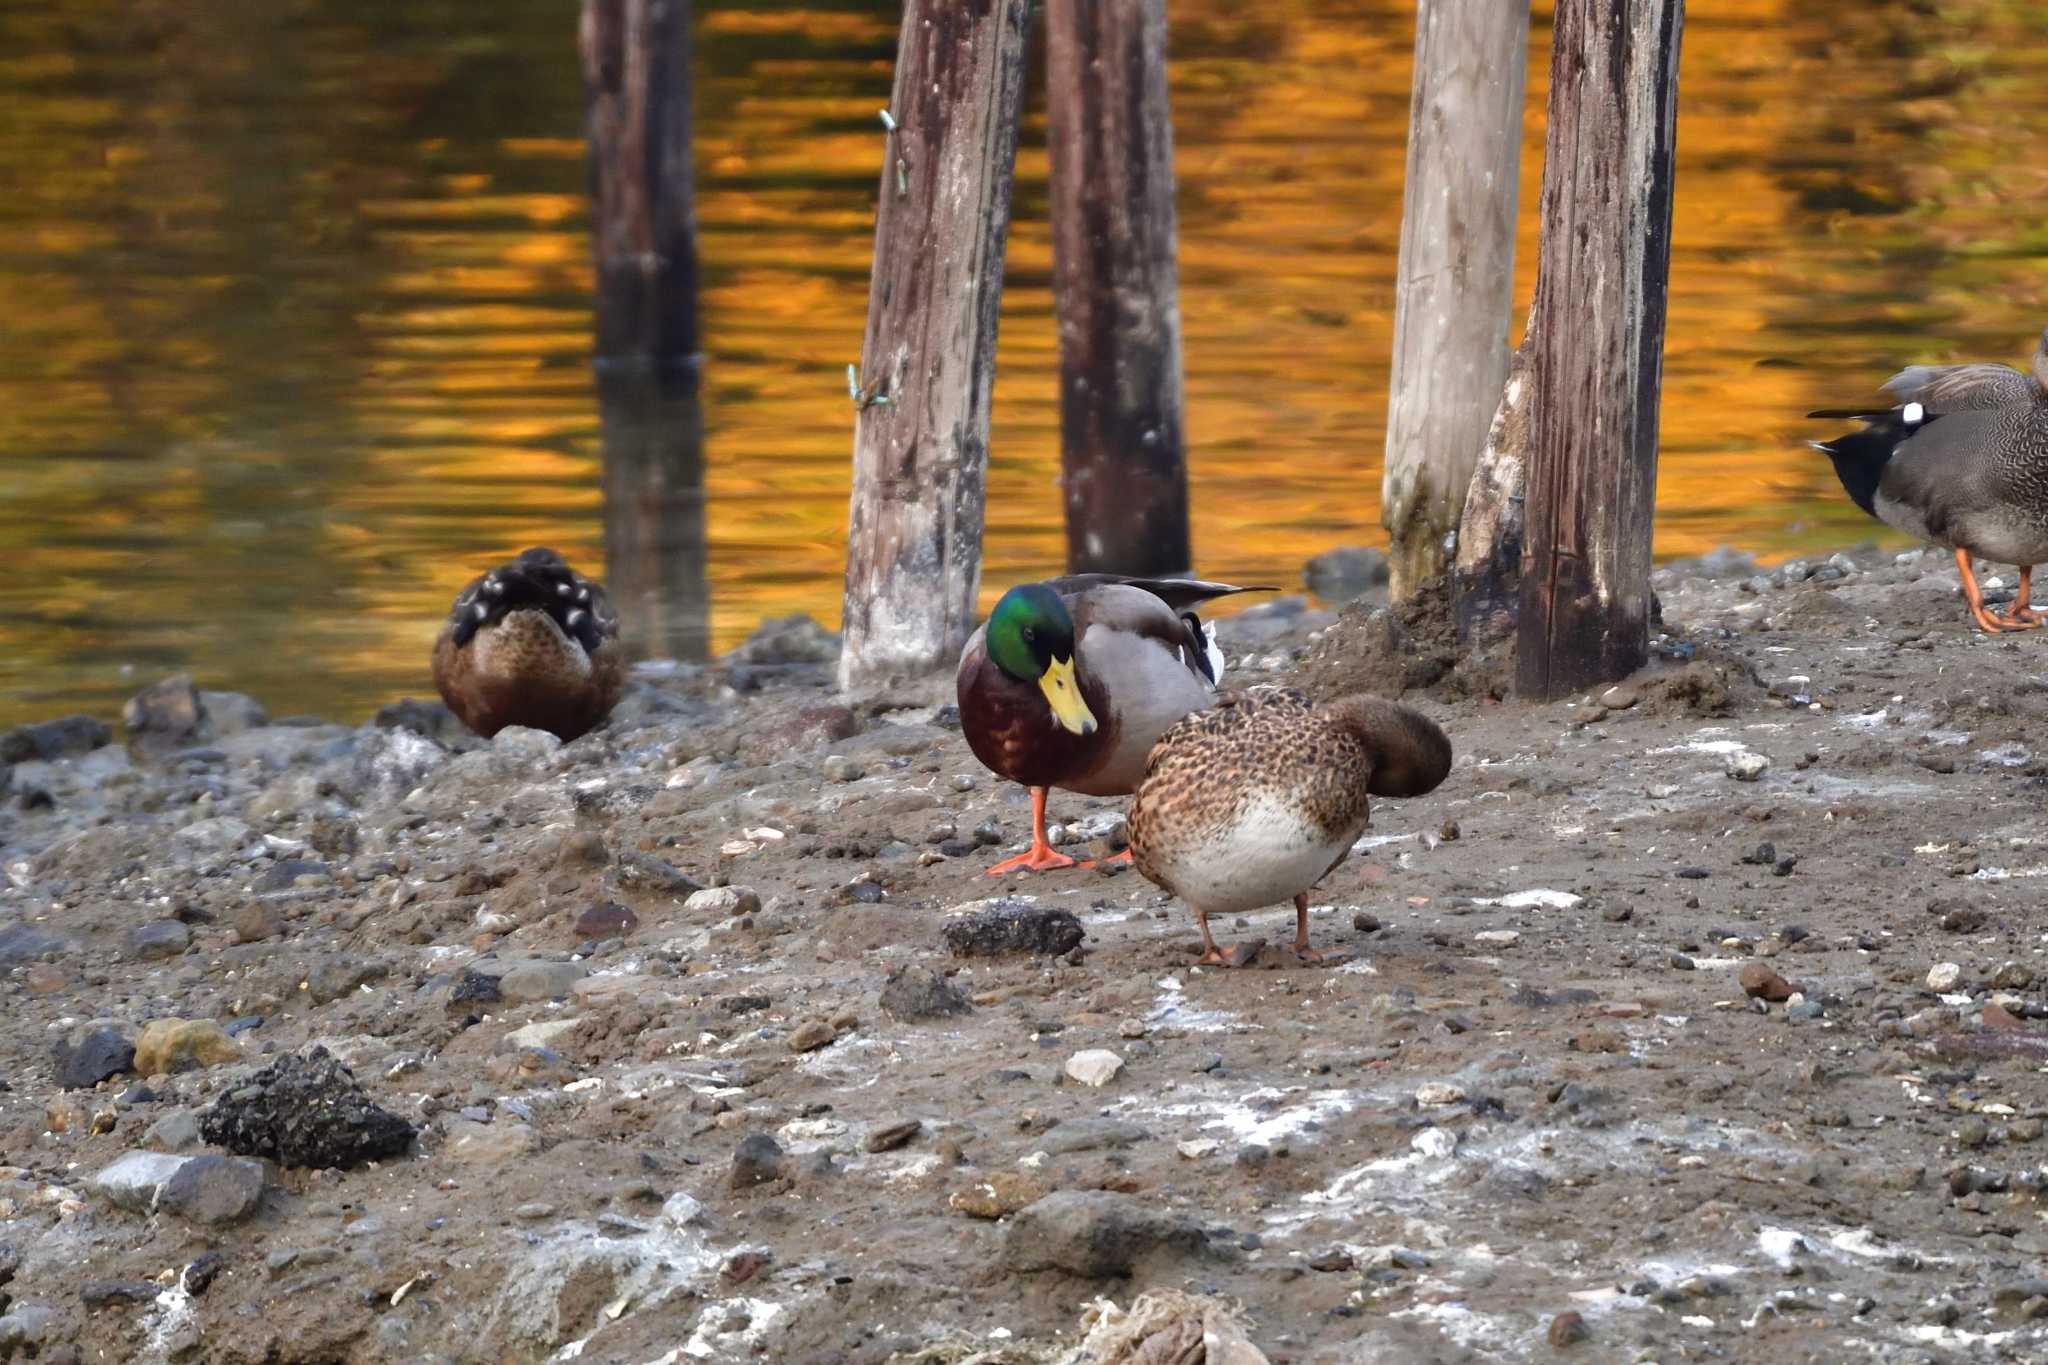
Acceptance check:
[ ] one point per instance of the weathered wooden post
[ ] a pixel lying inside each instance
(636, 70)
(1597, 343)
(1456, 275)
(1116, 289)
(636, 81)
(920, 450)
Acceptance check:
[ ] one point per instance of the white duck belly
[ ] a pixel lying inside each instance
(1268, 853)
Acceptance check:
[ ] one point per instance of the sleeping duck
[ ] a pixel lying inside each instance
(1253, 801)
(1961, 461)
(531, 643)
(1071, 680)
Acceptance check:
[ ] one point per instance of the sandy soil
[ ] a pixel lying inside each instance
(660, 1124)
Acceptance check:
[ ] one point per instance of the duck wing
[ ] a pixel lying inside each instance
(1178, 593)
(1962, 388)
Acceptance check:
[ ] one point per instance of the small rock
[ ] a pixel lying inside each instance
(2012, 976)
(107, 1293)
(1439, 1093)
(1096, 1067)
(1567, 1329)
(1332, 1261)
(1747, 765)
(913, 993)
(1344, 573)
(1094, 1234)
(890, 1136)
(1944, 977)
(198, 1275)
(1010, 928)
(168, 1046)
(537, 981)
(174, 1132)
(1090, 1134)
(1364, 923)
(158, 939)
(606, 919)
(756, 1161)
(135, 1180)
(305, 1111)
(811, 1035)
(90, 1055)
(166, 714)
(256, 922)
(1759, 982)
(840, 768)
(999, 1196)
(522, 744)
(65, 737)
(489, 1144)
(215, 1189)
(1496, 938)
(729, 902)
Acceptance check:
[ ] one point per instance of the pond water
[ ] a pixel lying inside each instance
(297, 301)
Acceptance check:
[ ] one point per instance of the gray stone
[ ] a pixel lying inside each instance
(1011, 927)
(1094, 1234)
(134, 1181)
(756, 1161)
(389, 763)
(217, 837)
(158, 939)
(305, 1111)
(1085, 1135)
(165, 715)
(729, 902)
(28, 1325)
(287, 873)
(92, 1054)
(176, 1131)
(65, 737)
(488, 1144)
(1344, 573)
(532, 981)
(214, 1189)
(788, 640)
(232, 713)
(524, 745)
(21, 943)
(913, 993)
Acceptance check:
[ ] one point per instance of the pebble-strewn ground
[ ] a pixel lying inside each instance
(1699, 1021)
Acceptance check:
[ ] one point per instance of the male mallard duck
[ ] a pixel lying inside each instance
(1071, 680)
(1961, 461)
(532, 643)
(1258, 798)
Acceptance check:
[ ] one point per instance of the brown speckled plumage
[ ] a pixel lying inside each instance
(1255, 800)
(534, 643)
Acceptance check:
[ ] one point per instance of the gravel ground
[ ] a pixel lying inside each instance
(1695, 1020)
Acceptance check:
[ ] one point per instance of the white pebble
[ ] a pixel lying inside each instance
(1944, 977)
(1096, 1067)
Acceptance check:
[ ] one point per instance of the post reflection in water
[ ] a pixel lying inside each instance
(654, 546)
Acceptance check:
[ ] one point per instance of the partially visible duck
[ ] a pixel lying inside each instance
(1253, 801)
(1962, 461)
(1070, 681)
(531, 643)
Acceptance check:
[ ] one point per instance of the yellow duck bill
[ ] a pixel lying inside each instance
(1063, 693)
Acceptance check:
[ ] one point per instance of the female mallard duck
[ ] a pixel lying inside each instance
(1071, 680)
(1961, 461)
(1258, 798)
(531, 643)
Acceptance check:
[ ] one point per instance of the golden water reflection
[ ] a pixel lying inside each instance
(298, 308)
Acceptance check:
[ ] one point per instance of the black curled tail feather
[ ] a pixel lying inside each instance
(538, 580)
(1861, 456)
(1411, 754)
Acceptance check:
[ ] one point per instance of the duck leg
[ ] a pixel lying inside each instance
(1213, 956)
(1041, 857)
(1301, 948)
(1986, 622)
(1123, 857)
(2021, 615)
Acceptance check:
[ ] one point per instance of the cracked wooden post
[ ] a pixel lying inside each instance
(1116, 289)
(636, 72)
(1597, 343)
(920, 449)
(1456, 287)
(1486, 575)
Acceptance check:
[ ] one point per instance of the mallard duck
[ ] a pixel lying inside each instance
(531, 643)
(1070, 681)
(1962, 461)
(1256, 799)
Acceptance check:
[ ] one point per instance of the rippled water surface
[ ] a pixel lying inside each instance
(297, 317)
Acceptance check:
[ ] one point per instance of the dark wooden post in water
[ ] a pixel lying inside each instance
(1456, 277)
(920, 450)
(636, 71)
(1597, 343)
(1116, 289)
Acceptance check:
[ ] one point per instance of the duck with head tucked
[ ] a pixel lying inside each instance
(531, 643)
(1070, 681)
(1255, 800)
(1960, 460)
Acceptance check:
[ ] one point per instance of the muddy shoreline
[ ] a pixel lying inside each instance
(1709, 1010)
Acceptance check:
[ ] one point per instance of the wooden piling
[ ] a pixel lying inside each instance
(920, 454)
(1116, 290)
(1456, 278)
(1597, 339)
